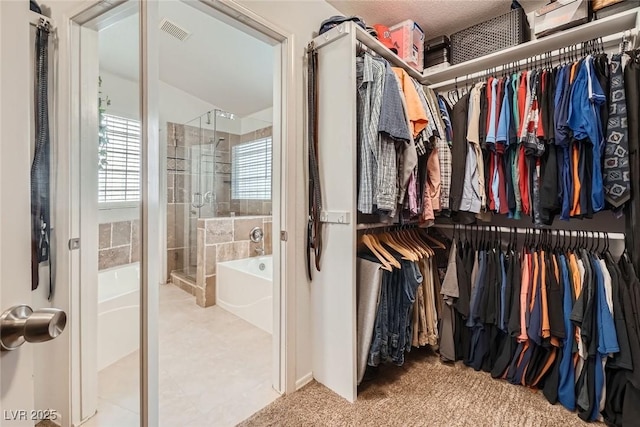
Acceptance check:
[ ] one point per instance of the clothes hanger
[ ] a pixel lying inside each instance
(383, 251)
(433, 240)
(410, 243)
(416, 235)
(365, 239)
(388, 239)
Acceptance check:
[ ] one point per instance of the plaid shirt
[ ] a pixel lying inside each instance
(370, 83)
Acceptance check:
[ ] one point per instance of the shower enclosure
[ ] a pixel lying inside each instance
(205, 185)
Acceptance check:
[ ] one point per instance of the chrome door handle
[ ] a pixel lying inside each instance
(20, 323)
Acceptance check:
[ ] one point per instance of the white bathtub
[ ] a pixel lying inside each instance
(118, 313)
(246, 290)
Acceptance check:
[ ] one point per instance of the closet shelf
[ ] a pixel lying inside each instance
(367, 40)
(627, 20)
(600, 28)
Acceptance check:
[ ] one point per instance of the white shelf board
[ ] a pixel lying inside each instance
(367, 40)
(602, 27)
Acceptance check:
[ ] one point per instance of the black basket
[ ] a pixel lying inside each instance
(490, 36)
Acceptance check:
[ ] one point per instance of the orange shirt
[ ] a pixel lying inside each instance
(575, 210)
(524, 290)
(417, 114)
(546, 328)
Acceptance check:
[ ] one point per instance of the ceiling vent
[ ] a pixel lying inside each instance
(174, 30)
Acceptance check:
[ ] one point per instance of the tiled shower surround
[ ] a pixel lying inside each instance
(118, 243)
(186, 167)
(219, 240)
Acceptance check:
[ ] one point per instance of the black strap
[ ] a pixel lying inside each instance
(314, 234)
(40, 168)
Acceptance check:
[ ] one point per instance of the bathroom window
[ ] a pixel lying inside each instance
(119, 176)
(251, 170)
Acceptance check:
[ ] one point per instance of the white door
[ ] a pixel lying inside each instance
(46, 380)
(34, 378)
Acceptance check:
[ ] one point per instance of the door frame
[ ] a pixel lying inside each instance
(285, 157)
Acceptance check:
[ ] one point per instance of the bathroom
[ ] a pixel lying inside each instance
(219, 208)
(216, 306)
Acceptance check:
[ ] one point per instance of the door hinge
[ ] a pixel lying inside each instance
(74, 244)
(284, 236)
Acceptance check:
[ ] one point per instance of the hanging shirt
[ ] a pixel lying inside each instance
(471, 194)
(473, 137)
(392, 127)
(370, 81)
(584, 120)
(416, 119)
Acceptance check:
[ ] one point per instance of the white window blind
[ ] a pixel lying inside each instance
(251, 170)
(119, 179)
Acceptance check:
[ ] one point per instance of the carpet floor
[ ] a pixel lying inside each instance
(423, 392)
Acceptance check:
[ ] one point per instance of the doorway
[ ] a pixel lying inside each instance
(216, 213)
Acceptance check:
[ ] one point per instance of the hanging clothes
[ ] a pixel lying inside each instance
(547, 142)
(404, 158)
(562, 320)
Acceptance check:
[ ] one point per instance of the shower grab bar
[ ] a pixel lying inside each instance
(200, 200)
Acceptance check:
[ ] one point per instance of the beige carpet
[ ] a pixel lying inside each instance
(423, 392)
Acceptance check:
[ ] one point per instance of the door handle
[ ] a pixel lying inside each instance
(20, 323)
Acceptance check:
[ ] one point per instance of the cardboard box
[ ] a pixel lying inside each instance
(409, 38)
(560, 15)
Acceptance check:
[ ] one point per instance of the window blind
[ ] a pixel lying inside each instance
(251, 170)
(119, 179)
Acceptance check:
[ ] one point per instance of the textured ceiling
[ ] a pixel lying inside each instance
(435, 17)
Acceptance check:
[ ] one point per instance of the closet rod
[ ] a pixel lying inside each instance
(607, 42)
(367, 226)
(520, 230)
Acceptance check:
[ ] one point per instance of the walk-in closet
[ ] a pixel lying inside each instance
(487, 210)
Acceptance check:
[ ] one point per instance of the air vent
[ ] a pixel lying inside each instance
(174, 30)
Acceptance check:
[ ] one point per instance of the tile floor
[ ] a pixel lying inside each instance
(215, 369)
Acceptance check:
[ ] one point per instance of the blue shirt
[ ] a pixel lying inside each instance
(584, 120)
(566, 383)
(505, 116)
(491, 132)
(562, 134)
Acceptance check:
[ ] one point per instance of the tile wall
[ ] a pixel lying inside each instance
(198, 160)
(119, 243)
(224, 239)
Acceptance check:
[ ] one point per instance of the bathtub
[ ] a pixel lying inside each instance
(118, 313)
(244, 287)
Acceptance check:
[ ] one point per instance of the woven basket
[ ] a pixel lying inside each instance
(490, 36)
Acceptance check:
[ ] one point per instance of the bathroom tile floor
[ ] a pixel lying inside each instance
(215, 369)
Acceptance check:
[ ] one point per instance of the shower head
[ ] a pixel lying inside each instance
(219, 141)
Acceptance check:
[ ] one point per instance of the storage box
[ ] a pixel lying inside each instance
(611, 8)
(560, 15)
(436, 43)
(409, 38)
(601, 4)
(436, 56)
(490, 36)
